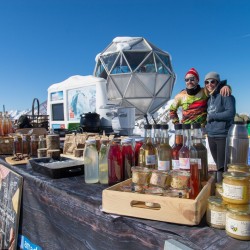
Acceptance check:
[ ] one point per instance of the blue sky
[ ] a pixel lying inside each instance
(46, 41)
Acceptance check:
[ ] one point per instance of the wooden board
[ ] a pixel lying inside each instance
(174, 210)
(10, 200)
(13, 162)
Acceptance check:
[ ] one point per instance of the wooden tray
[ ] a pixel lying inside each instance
(168, 209)
(13, 162)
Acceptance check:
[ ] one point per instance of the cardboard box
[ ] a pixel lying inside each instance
(174, 210)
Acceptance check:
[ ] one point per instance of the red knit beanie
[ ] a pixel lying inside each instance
(193, 72)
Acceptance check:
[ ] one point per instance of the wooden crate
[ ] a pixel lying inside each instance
(6, 145)
(174, 210)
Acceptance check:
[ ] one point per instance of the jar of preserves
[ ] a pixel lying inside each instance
(140, 176)
(238, 168)
(218, 189)
(159, 178)
(238, 222)
(216, 212)
(235, 187)
(179, 179)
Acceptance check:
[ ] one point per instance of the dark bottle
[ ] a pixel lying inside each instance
(33, 146)
(147, 156)
(25, 145)
(127, 157)
(178, 143)
(188, 158)
(164, 150)
(115, 166)
(201, 150)
(138, 144)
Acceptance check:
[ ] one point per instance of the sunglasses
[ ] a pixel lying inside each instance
(192, 79)
(210, 81)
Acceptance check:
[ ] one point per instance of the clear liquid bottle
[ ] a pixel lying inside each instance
(164, 150)
(138, 144)
(178, 143)
(25, 145)
(115, 166)
(103, 162)
(156, 138)
(147, 156)
(201, 150)
(188, 158)
(17, 145)
(41, 142)
(127, 157)
(91, 165)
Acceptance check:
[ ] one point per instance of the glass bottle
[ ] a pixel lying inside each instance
(1, 124)
(5, 124)
(103, 162)
(138, 144)
(91, 166)
(33, 146)
(25, 145)
(17, 147)
(127, 157)
(115, 167)
(188, 159)
(201, 150)
(164, 150)
(41, 142)
(178, 143)
(147, 156)
(156, 138)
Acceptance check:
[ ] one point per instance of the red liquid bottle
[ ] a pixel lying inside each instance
(115, 166)
(138, 144)
(127, 158)
(178, 143)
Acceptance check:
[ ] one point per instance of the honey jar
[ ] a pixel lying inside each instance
(216, 212)
(235, 187)
(218, 189)
(238, 222)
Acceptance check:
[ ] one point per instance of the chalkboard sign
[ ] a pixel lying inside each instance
(10, 199)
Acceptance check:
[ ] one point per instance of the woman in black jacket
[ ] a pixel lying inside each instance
(220, 116)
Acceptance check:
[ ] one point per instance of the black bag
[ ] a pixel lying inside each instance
(24, 122)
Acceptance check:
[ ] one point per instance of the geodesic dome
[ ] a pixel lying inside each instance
(138, 74)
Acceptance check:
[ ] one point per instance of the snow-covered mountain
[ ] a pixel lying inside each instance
(15, 114)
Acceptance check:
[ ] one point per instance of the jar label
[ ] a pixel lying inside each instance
(234, 192)
(150, 160)
(164, 165)
(237, 227)
(175, 164)
(184, 163)
(218, 218)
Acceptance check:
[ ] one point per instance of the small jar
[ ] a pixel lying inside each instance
(216, 212)
(235, 187)
(238, 222)
(238, 168)
(179, 179)
(159, 178)
(218, 189)
(140, 176)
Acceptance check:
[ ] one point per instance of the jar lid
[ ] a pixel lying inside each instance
(140, 169)
(236, 175)
(238, 166)
(160, 172)
(180, 173)
(217, 201)
(139, 139)
(239, 209)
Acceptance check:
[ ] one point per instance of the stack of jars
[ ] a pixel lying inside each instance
(230, 209)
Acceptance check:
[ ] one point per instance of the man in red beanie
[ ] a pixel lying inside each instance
(193, 101)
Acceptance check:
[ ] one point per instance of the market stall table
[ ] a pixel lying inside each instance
(66, 214)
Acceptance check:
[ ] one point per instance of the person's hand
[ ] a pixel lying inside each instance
(225, 91)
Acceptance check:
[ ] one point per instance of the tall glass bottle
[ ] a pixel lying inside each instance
(91, 167)
(147, 156)
(201, 150)
(115, 166)
(25, 145)
(156, 135)
(17, 145)
(178, 143)
(164, 150)
(138, 144)
(1, 124)
(103, 162)
(127, 157)
(41, 142)
(33, 145)
(188, 158)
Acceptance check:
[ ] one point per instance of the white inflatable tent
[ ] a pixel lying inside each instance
(77, 95)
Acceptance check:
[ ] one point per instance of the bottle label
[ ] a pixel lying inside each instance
(238, 227)
(184, 163)
(234, 192)
(218, 218)
(175, 164)
(164, 165)
(150, 160)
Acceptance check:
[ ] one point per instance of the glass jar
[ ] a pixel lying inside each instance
(238, 168)
(159, 178)
(216, 212)
(103, 162)
(33, 146)
(235, 187)
(218, 189)
(179, 179)
(140, 176)
(238, 222)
